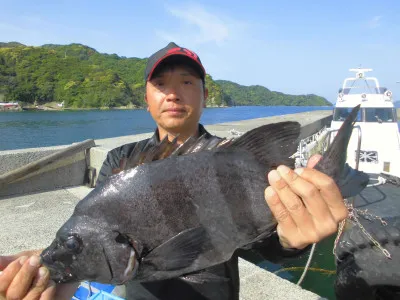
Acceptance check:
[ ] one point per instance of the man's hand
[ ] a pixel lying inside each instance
(6, 260)
(22, 277)
(306, 203)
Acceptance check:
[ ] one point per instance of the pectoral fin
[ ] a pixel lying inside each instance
(178, 252)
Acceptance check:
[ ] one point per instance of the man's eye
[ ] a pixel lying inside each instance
(188, 82)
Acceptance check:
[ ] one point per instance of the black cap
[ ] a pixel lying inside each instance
(175, 52)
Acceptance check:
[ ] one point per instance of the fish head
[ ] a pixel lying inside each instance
(85, 250)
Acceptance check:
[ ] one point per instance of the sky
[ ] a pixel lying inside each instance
(295, 47)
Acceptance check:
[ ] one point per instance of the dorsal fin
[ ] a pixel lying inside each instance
(137, 155)
(149, 152)
(162, 150)
(200, 143)
(271, 144)
(192, 145)
(184, 147)
(145, 153)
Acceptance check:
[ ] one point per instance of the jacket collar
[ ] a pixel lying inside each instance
(202, 130)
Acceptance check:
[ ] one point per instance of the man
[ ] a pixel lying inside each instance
(306, 203)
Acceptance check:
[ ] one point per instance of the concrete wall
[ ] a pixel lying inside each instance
(72, 171)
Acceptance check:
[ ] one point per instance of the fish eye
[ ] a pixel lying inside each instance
(73, 243)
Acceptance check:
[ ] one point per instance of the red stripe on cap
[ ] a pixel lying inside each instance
(178, 51)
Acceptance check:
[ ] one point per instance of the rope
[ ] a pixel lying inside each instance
(307, 265)
(328, 272)
(380, 180)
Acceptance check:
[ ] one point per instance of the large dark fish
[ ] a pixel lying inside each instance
(167, 218)
(363, 271)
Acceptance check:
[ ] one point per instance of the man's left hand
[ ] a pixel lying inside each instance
(306, 203)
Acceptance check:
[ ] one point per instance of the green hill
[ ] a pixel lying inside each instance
(236, 94)
(84, 78)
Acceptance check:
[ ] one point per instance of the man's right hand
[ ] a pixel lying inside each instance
(22, 277)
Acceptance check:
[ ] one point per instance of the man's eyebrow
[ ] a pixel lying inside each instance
(188, 73)
(159, 75)
(183, 73)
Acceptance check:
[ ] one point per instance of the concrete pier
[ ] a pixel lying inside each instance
(31, 216)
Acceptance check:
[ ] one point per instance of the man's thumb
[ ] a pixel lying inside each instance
(313, 160)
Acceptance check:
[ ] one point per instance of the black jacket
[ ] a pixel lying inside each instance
(225, 289)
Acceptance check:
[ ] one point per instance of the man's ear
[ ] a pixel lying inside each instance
(145, 100)
(205, 97)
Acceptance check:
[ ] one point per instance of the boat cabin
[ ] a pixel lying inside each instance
(375, 140)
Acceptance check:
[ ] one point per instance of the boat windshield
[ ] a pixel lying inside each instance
(360, 86)
(341, 113)
(368, 114)
(380, 114)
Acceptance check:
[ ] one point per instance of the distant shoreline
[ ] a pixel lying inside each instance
(54, 108)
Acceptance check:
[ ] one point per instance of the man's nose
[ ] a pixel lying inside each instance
(172, 94)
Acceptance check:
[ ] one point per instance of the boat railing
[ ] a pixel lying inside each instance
(309, 145)
(319, 142)
(358, 150)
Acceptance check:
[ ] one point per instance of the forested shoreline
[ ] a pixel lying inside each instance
(80, 77)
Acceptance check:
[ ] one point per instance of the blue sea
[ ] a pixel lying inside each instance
(31, 129)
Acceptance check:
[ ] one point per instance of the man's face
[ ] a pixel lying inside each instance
(175, 99)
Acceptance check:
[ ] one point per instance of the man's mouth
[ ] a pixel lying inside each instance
(175, 110)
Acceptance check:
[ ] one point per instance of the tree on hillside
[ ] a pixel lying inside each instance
(83, 78)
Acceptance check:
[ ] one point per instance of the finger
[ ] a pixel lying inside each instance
(23, 280)
(289, 234)
(290, 200)
(39, 284)
(287, 240)
(328, 190)
(277, 208)
(309, 193)
(7, 276)
(50, 292)
(6, 260)
(281, 214)
(31, 252)
(313, 160)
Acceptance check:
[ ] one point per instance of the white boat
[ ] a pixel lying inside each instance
(374, 148)
(375, 143)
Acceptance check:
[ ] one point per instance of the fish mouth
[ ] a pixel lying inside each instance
(60, 273)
